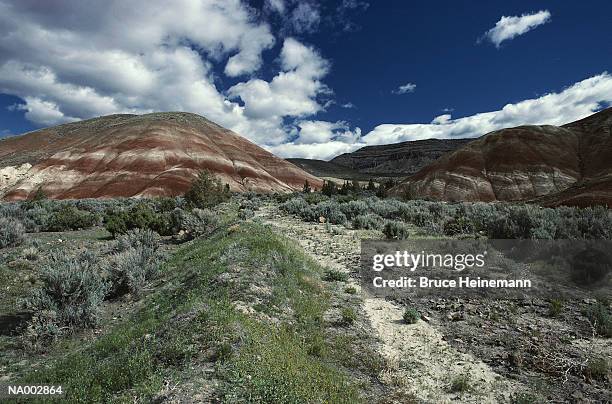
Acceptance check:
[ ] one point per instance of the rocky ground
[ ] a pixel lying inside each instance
(461, 350)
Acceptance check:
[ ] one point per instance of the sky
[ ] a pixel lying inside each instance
(308, 78)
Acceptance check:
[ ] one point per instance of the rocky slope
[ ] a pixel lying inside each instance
(397, 159)
(322, 168)
(138, 155)
(552, 165)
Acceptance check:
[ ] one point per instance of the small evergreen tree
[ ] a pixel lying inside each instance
(306, 188)
(329, 188)
(206, 191)
(371, 186)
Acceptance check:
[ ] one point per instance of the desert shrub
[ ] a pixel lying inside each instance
(37, 218)
(394, 230)
(12, 232)
(597, 369)
(200, 222)
(282, 197)
(348, 316)
(244, 214)
(368, 221)
(351, 290)
(295, 206)
(70, 296)
(411, 315)
(168, 223)
(354, 208)
(129, 270)
(388, 208)
(206, 191)
(142, 216)
(137, 238)
(458, 225)
(70, 218)
(519, 223)
(555, 308)
(135, 261)
(30, 253)
(330, 211)
(332, 275)
(460, 383)
(315, 197)
(165, 204)
(601, 319)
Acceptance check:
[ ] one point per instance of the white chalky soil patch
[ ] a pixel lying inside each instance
(419, 362)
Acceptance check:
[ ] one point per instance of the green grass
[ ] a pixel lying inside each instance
(191, 320)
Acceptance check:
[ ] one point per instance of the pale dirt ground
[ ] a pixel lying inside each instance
(420, 364)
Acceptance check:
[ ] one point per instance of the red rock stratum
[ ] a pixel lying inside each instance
(138, 155)
(551, 165)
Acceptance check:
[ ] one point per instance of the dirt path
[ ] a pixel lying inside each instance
(420, 364)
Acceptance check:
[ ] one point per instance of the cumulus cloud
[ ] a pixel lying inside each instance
(71, 60)
(320, 140)
(293, 92)
(573, 103)
(509, 27)
(406, 88)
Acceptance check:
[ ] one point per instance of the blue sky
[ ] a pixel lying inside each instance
(308, 79)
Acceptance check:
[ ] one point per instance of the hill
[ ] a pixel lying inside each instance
(397, 159)
(138, 155)
(552, 165)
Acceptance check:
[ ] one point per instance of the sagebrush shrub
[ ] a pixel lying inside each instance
(136, 261)
(130, 269)
(200, 222)
(12, 232)
(368, 221)
(330, 211)
(458, 225)
(137, 238)
(394, 230)
(72, 291)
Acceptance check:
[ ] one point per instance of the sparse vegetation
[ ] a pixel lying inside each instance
(601, 319)
(411, 315)
(348, 316)
(555, 308)
(134, 263)
(598, 369)
(460, 383)
(70, 297)
(394, 230)
(12, 232)
(335, 276)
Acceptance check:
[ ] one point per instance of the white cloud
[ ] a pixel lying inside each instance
(509, 27)
(292, 92)
(305, 17)
(276, 5)
(406, 88)
(573, 103)
(77, 60)
(320, 140)
(348, 105)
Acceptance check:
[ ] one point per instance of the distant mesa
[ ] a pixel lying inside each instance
(138, 155)
(397, 160)
(549, 165)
